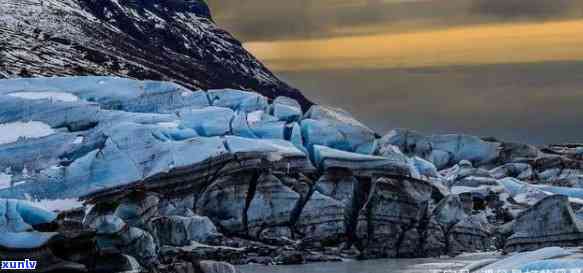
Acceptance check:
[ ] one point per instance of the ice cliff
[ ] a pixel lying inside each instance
(170, 176)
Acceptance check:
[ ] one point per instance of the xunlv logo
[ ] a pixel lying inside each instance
(18, 265)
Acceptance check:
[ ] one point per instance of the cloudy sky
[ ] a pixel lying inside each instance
(506, 68)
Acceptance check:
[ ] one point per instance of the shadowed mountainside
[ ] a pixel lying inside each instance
(143, 39)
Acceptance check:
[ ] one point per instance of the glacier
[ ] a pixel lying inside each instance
(155, 168)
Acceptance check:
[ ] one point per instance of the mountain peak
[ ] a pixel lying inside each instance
(171, 40)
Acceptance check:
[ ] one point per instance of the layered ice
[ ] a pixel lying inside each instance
(286, 109)
(238, 100)
(329, 158)
(208, 122)
(52, 96)
(111, 93)
(122, 131)
(19, 216)
(442, 150)
(337, 129)
(266, 170)
(12, 132)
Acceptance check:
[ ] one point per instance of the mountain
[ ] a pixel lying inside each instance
(171, 40)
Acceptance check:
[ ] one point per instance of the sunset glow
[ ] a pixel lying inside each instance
(468, 45)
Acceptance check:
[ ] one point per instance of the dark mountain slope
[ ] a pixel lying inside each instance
(145, 39)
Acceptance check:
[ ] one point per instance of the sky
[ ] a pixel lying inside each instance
(512, 69)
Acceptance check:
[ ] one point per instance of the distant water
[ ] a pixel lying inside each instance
(533, 102)
(430, 265)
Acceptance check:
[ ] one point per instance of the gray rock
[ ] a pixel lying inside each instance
(249, 203)
(322, 220)
(114, 236)
(137, 209)
(550, 222)
(462, 170)
(271, 205)
(551, 169)
(522, 171)
(179, 206)
(559, 176)
(139, 244)
(290, 257)
(469, 235)
(108, 225)
(516, 152)
(225, 201)
(453, 229)
(434, 241)
(338, 184)
(449, 211)
(393, 211)
(442, 150)
(181, 231)
(408, 141)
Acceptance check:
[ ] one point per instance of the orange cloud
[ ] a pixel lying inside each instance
(481, 44)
